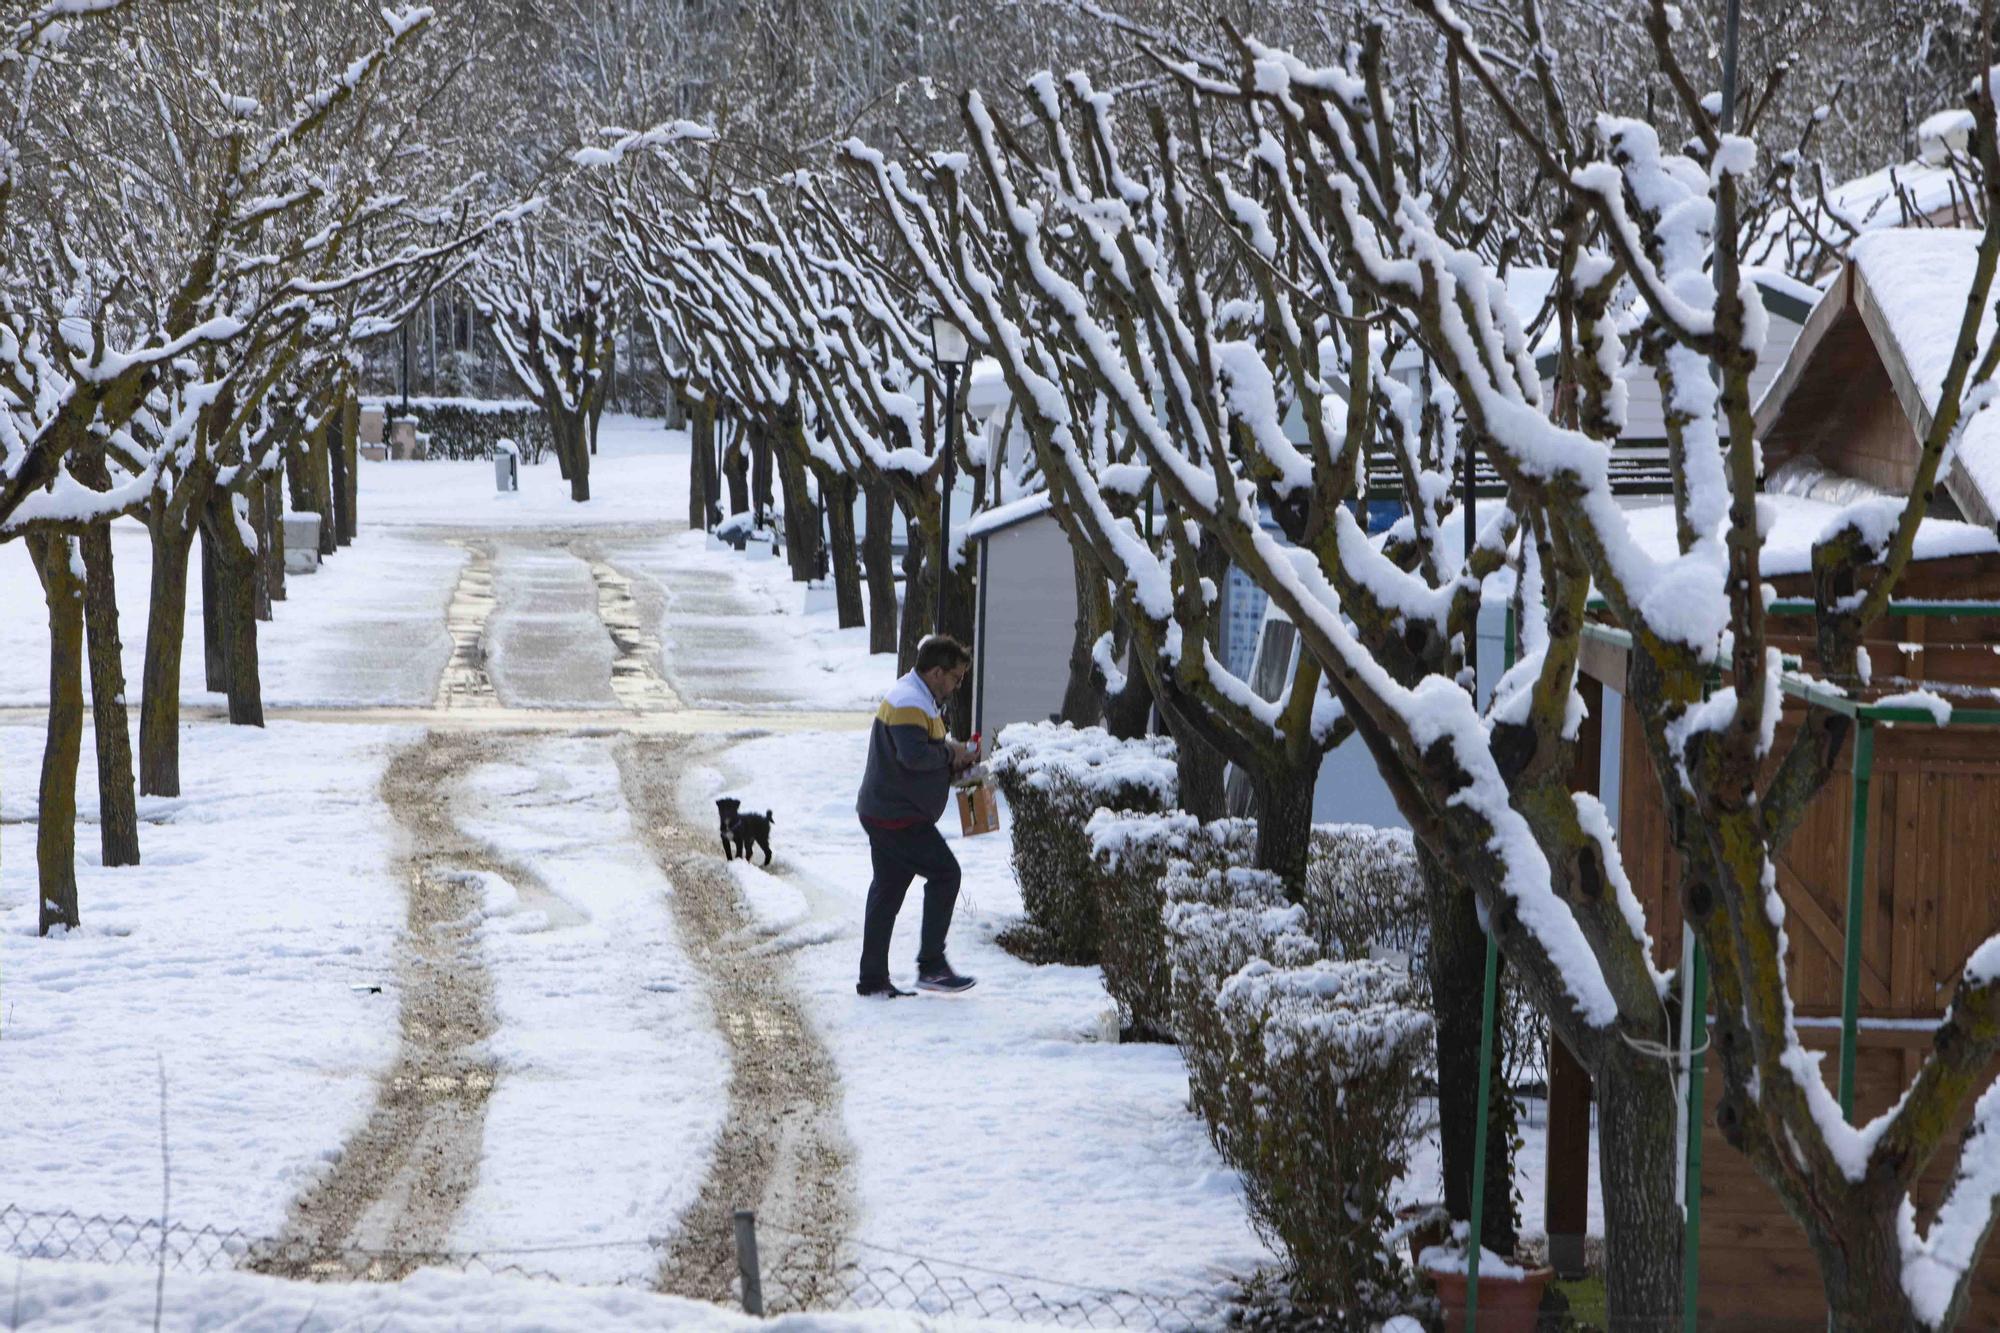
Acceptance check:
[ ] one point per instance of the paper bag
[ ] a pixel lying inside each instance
(977, 812)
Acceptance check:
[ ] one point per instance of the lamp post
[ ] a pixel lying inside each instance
(948, 348)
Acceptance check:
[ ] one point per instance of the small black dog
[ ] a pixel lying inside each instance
(740, 832)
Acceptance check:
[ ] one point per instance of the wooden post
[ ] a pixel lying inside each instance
(1566, 1181)
(746, 1262)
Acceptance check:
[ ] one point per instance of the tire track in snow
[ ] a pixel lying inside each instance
(782, 1149)
(466, 682)
(387, 1206)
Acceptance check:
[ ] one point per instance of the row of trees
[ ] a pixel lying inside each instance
(203, 214)
(1164, 276)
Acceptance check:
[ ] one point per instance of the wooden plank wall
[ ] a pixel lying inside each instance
(1932, 871)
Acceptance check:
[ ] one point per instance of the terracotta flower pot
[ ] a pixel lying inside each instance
(1506, 1304)
(1430, 1226)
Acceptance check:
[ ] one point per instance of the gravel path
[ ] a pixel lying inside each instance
(782, 1150)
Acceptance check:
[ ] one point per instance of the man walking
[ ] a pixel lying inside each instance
(911, 763)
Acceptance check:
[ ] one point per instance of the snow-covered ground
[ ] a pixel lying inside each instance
(1005, 1127)
(611, 1074)
(234, 963)
(1005, 1130)
(73, 1298)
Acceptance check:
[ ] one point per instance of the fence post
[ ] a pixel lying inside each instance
(746, 1261)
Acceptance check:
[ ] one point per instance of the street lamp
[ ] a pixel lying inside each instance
(948, 349)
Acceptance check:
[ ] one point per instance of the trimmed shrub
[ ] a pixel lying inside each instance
(467, 428)
(1305, 1069)
(1054, 778)
(1130, 856)
(1364, 898)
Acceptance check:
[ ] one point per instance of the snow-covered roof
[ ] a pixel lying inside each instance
(1007, 515)
(1797, 522)
(1917, 281)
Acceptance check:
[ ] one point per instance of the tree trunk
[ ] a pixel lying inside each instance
(1456, 963)
(55, 817)
(260, 582)
(701, 425)
(712, 476)
(1083, 695)
(346, 450)
(878, 553)
(919, 600)
(118, 815)
(273, 553)
(214, 661)
(160, 702)
(236, 613)
(1128, 712)
(961, 605)
(760, 471)
(1643, 1224)
(571, 429)
(1284, 822)
(320, 457)
(736, 468)
(837, 489)
(801, 514)
(1198, 767)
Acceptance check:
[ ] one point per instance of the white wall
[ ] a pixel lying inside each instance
(1021, 654)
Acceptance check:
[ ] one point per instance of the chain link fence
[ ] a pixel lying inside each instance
(772, 1271)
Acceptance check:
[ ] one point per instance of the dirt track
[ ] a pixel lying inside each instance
(400, 1181)
(782, 1150)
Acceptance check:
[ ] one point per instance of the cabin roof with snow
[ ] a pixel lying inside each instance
(1863, 383)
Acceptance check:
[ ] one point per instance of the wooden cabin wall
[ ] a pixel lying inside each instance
(1932, 870)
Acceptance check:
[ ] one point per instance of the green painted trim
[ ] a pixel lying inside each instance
(1857, 874)
(1691, 1181)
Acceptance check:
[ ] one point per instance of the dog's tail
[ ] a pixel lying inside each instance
(769, 818)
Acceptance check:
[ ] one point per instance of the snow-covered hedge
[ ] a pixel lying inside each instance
(1055, 777)
(1305, 1069)
(1364, 897)
(467, 428)
(1131, 854)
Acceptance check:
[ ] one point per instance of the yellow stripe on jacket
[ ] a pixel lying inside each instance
(907, 716)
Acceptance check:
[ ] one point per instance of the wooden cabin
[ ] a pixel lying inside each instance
(1855, 396)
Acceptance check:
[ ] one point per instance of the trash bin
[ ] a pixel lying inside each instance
(506, 467)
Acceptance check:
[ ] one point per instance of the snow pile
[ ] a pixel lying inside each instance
(1055, 778)
(1037, 753)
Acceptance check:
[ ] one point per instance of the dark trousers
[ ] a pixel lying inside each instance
(900, 855)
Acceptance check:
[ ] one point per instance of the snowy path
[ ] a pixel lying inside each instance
(782, 1150)
(397, 1185)
(605, 1040)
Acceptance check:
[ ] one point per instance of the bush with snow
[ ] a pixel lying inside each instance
(1131, 854)
(1305, 1069)
(1364, 898)
(1054, 778)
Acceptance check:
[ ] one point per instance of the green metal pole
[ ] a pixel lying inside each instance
(1697, 999)
(1488, 1005)
(1479, 1136)
(1857, 871)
